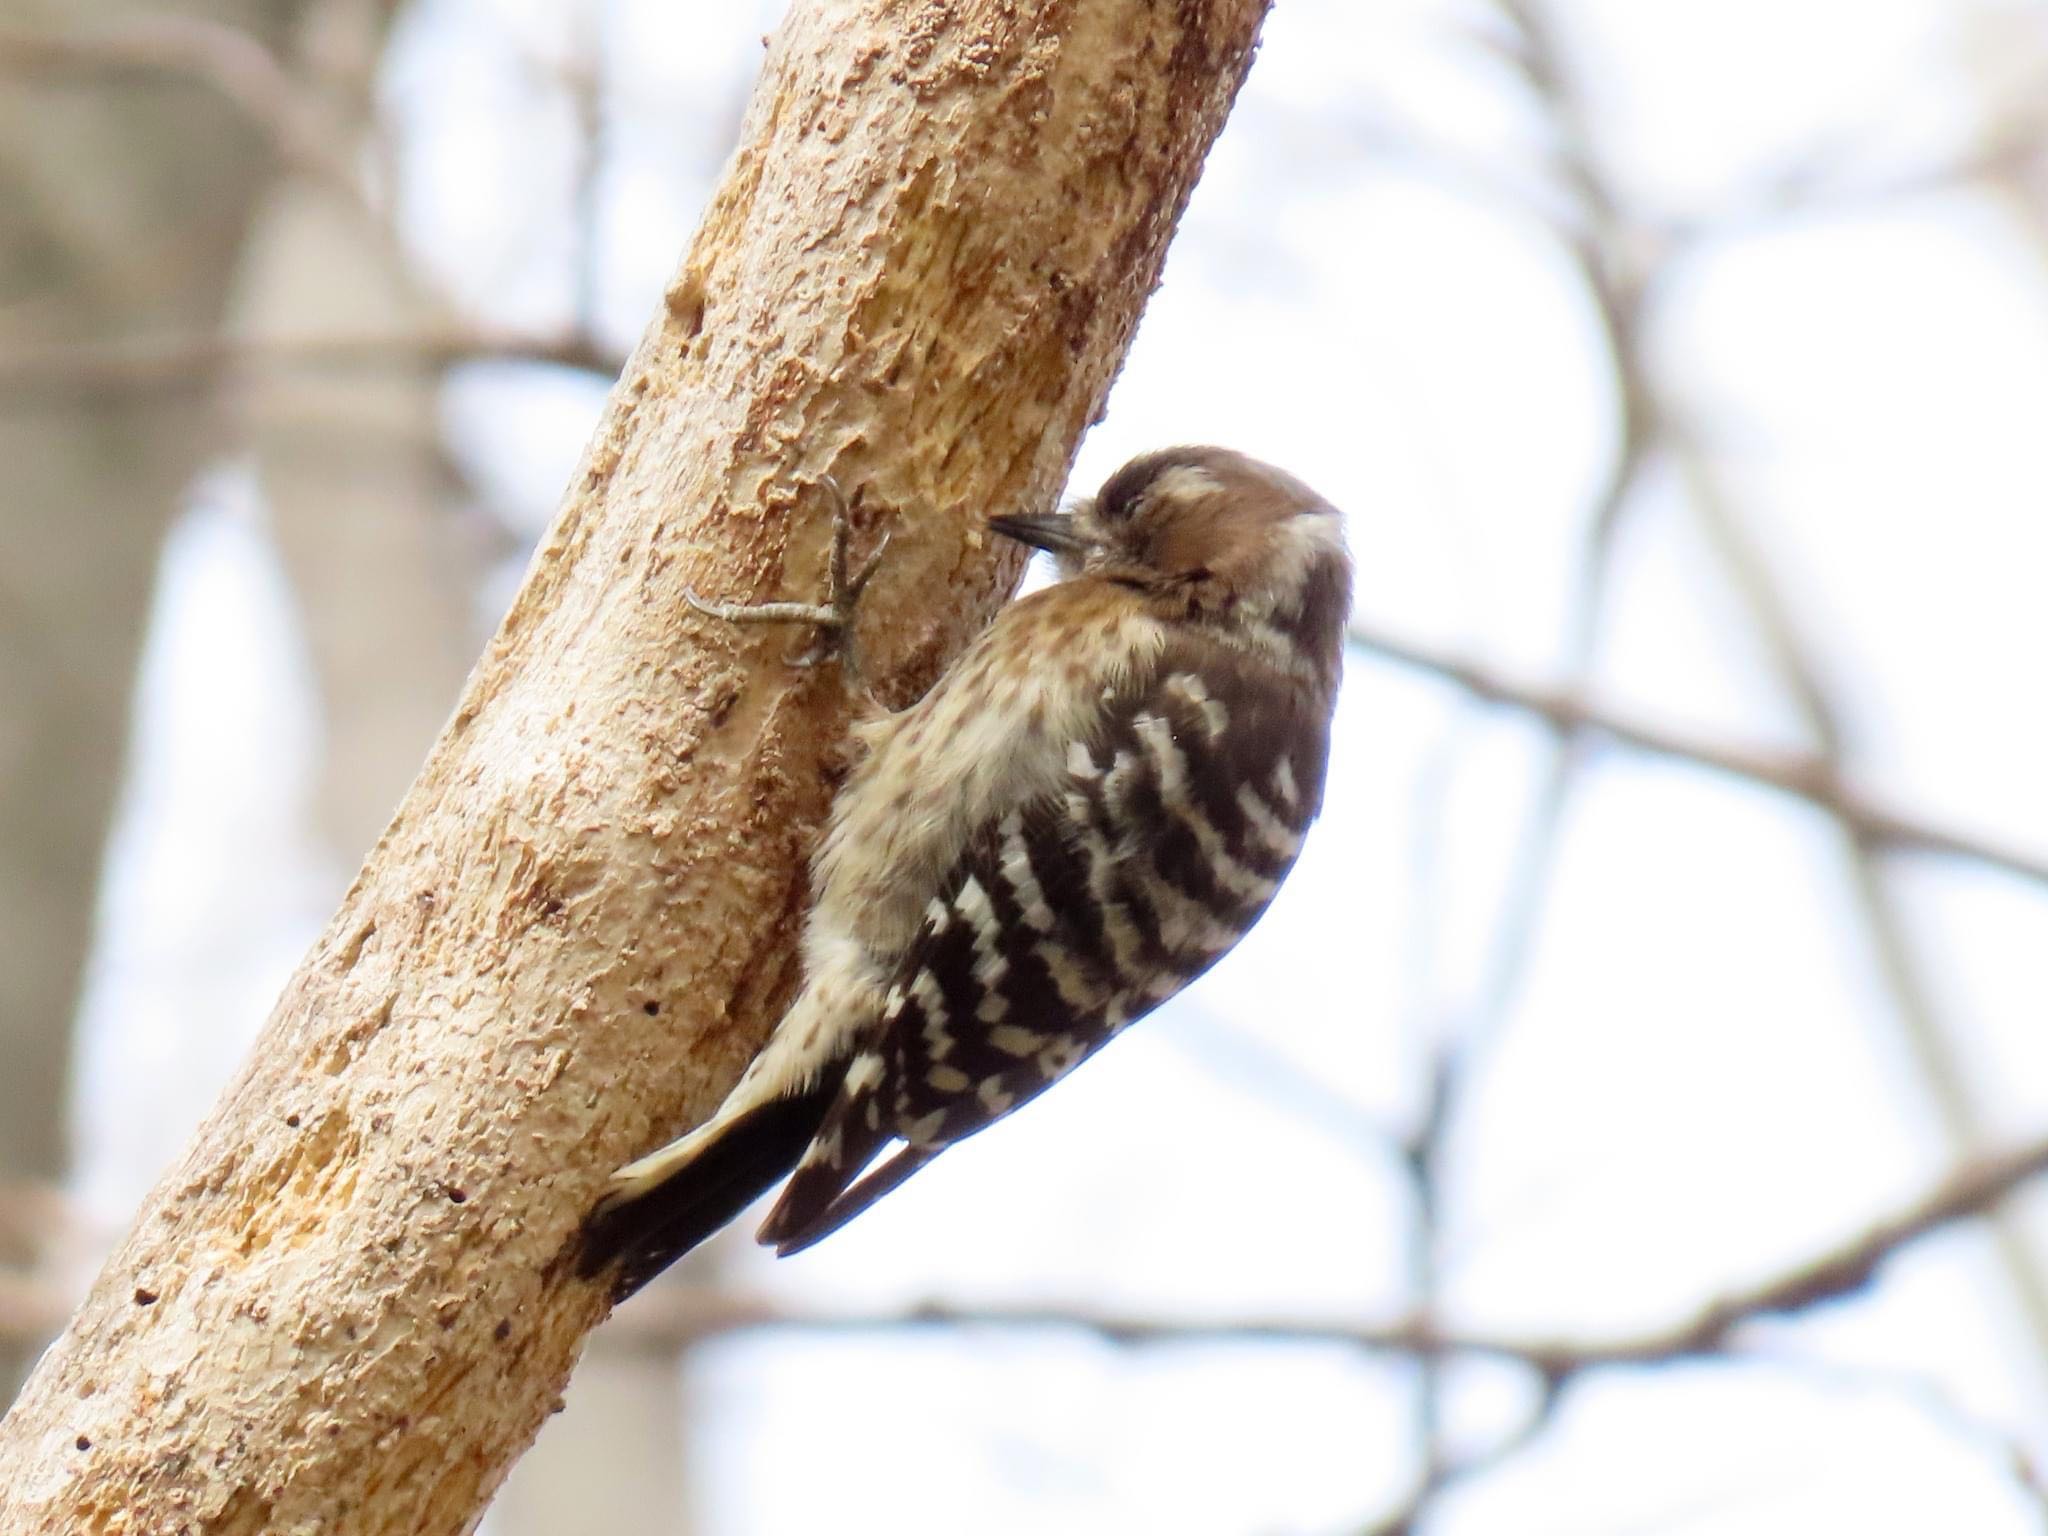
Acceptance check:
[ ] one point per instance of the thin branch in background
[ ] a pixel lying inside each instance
(1423, 1157)
(1929, 1039)
(675, 1317)
(583, 79)
(1618, 298)
(672, 1317)
(1867, 832)
(1801, 776)
(1611, 256)
(1926, 1396)
(1247, 1063)
(1407, 1517)
(33, 377)
(220, 58)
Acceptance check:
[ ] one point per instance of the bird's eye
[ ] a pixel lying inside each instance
(1116, 508)
(1123, 491)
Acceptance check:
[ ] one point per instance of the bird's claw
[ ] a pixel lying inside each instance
(833, 618)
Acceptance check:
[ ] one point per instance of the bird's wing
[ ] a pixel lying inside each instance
(1069, 917)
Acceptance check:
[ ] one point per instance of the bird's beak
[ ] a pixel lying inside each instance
(1058, 533)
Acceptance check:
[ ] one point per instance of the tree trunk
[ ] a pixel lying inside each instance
(122, 205)
(347, 1308)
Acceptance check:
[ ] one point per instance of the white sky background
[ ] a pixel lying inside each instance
(1700, 1078)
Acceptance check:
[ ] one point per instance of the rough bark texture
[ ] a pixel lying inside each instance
(122, 205)
(343, 1310)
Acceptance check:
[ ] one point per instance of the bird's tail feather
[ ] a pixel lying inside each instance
(814, 1207)
(638, 1232)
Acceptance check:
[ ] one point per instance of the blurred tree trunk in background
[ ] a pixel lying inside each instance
(612, 1460)
(364, 505)
(123, 206)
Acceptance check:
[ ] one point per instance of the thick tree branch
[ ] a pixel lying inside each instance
(344, 1309)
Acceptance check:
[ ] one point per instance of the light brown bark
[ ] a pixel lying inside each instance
(345, 1309)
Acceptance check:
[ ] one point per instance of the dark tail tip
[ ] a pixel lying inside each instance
(636, 1239)
(808, 1213)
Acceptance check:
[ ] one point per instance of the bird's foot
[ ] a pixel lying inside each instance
(833, 618)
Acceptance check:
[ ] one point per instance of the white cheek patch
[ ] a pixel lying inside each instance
(1300, 544)
(1309, 537)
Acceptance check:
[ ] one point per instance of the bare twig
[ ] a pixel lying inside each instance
(1612, 251)
(1423, 1155)
(224, 59)
(676, 1318)
(1801, 775)
(194, 362)
(1927, 1396)
(1928, 1037)
(1618, 291)
(1405, 1517)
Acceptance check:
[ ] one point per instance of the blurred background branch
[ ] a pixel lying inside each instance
(35, 379)
(678, 1316)
(1812, 778)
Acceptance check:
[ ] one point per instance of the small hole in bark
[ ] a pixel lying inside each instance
(686, 305)
(144, 1297)
(650, 1008)
(457, 1196)
(503, 1331)
(292, 1121)
(83, 1443)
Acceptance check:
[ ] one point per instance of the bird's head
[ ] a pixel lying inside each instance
(1212, 535)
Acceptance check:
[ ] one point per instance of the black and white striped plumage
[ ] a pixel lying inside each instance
(1089, 809)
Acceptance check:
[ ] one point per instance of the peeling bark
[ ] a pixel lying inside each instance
(343, 1311)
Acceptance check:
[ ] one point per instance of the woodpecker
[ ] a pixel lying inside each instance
(1091, 806)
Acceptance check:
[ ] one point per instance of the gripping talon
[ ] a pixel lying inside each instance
(833, 618)
(868, 567)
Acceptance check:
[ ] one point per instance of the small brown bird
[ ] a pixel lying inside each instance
(1090, 807)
